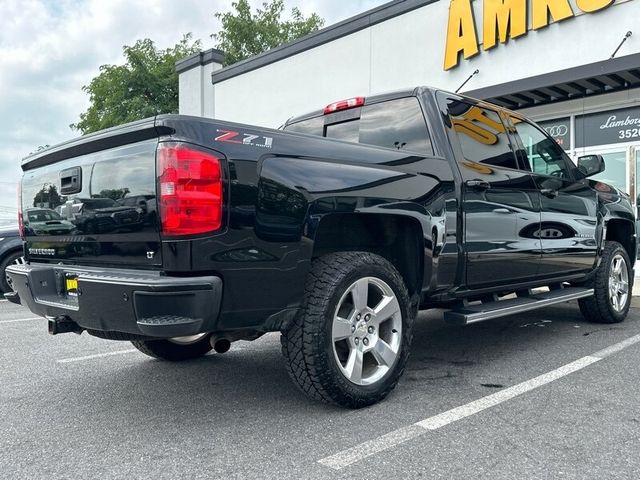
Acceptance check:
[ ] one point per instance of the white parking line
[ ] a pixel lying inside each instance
(20, 320)
(97, 355)
(347, 457)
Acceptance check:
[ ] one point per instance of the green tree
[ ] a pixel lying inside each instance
(113, 194)
(48, 197)
(146, 85)
(245, 33)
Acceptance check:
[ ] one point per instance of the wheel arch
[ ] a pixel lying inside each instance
(623, 232)
(397, 238)
(10, 245)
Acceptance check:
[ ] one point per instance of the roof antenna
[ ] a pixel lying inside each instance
(471, 76)
(626, 36)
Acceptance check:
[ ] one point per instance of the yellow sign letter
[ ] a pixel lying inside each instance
(559, 10)
(510, 18)
(593, 5)
(461, 33)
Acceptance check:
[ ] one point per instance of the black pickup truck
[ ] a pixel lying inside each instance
(334, 231)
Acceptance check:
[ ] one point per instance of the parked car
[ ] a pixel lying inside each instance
(102, 215)
(44, 221)
(146, 205)
(363, 213)
(10, 254)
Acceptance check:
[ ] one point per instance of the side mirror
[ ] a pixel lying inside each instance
(589, 165)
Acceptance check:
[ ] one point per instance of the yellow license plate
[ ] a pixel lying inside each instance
(72, 286)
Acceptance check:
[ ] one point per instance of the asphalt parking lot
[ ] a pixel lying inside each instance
(539, 400)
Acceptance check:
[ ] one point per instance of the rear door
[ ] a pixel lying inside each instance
(568, 207)
(499, 201)
(94, 209)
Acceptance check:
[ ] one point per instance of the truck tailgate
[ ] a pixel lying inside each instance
(96, 208)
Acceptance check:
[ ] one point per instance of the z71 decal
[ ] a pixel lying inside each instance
(229, 136)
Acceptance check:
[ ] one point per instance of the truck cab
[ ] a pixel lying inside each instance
(527, 213)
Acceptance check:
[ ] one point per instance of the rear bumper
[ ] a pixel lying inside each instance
(126, 301)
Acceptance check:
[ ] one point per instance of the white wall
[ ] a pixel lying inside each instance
(408, 51)
(195, 92)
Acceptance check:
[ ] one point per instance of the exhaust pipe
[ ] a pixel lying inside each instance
(63, 324)
(220, 345)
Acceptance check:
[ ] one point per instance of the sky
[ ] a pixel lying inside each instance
(50, 49)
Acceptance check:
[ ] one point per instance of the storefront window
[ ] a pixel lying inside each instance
(560, 130)
(615, 172)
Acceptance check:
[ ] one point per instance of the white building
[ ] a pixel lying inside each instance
(550, 58)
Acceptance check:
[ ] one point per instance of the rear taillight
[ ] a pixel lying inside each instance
(20, 219)
(344, 105)
(190, 190)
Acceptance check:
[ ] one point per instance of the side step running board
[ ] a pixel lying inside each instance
(466, 314)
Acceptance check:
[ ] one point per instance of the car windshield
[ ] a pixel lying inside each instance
(43, 216)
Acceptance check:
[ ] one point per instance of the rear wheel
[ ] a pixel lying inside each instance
(176, 349)
(612, 286)
(350, 344)
(14, 258)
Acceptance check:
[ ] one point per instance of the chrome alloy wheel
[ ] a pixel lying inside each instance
(367, 331)
(17, 261)
(191, 339)
(618, 283)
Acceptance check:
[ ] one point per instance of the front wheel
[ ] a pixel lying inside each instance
(350, 343)
(612, 286)
(176, 349)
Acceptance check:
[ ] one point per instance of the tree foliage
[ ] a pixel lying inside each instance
(113, 193)
(245, 33)
(47, 197)
(146, 85)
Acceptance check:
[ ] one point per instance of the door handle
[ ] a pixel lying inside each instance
(549, 192)
(478, 184)
(71, 180)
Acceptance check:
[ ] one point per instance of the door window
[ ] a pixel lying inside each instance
(543, 154)
(482, 134)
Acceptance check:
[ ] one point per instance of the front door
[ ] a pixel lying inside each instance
(569, 225)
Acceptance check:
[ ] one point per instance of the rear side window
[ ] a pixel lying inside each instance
(482, 134)
(398, 124)
(395, 124)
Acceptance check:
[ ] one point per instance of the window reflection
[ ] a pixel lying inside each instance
(398, 124)
(482, 135)
(116, 194)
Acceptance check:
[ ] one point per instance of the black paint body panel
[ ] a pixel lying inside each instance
(280, 188)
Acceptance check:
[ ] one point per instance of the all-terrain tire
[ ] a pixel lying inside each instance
(600, 308)
(172, 351)
(308, 344)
